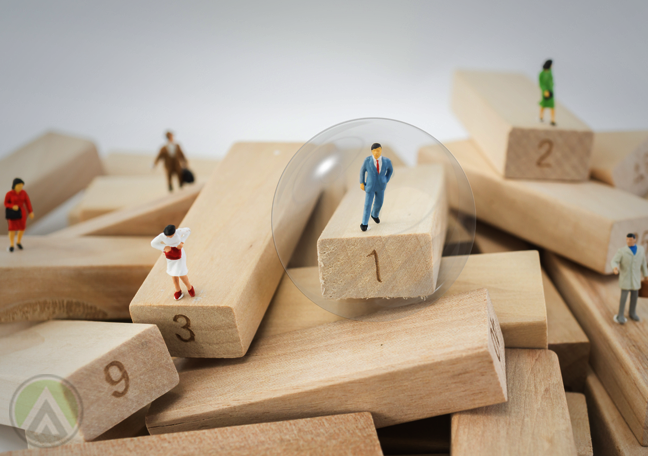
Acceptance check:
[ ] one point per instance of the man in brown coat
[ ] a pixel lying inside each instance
(174, 160)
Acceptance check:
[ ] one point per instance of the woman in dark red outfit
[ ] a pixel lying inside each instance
(17, 206)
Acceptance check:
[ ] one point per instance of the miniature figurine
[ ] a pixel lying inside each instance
(375, 173)
(17, 206)
(171, 242)
(629, 263)
(545, 79)
(174, 160)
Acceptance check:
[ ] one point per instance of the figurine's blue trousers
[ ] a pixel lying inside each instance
(377, 199)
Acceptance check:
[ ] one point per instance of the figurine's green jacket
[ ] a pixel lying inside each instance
(631, 267)
(545, 79)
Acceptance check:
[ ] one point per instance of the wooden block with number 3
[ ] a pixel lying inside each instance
(398, 258)
(500, 110)
(94, 373)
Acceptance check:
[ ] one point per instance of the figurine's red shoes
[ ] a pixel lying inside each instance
(178, 295)
(192, 292)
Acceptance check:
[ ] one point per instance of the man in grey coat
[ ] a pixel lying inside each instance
(629, 264)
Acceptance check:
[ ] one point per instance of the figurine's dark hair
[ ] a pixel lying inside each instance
(168, 133)
(169, 230)
(17, 181)
(547, 65)
(632, 235)
(376, 146)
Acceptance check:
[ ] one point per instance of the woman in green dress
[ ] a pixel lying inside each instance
(545, 79)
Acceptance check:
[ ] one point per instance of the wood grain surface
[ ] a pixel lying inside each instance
(580, 423)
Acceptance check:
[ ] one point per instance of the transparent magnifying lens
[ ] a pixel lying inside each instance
(426, 215)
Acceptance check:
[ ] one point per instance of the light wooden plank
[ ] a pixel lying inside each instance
(232, 260)
(617, 352)
(138, 163)
(566, 338)
(611, 435)
(115, 368)
(580, 423)
(513, 281)
(586, 222)
(489, 239)
(500, 111)
(89, 278)
(427, 436)
(54, 167)
(620, 159)
(398, 258)
(445, 357)
(343, 435)
(145, 219)
(534, 421)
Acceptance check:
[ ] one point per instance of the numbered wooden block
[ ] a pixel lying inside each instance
(145, 219)
(339, 435)
(534, 421)
(617, 352)
(90, 374)
(445, 357)
(500, 111)
(580, 423)
(54, 167)
(399, 257)
(611, 435)
(620, 159)
(138, 163)
(232, 260)
(89, 278)
(586, 222)
(513, 280)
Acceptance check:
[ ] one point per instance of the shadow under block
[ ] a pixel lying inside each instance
(586, 222)
(137, 163)
(444, 358)
(231, 257)
(338, 435)
(618, 352)
(500, 111)
(89, 278)
(620, 159)
(54, 167)
(116, 368)
(566, 338)
(580, 423)
(611, 435)
(513, 281)
(489, 239)
(534, 421)
(145, 219)
(398, 258)
(426, 436)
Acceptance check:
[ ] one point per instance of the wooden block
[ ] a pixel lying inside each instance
(445, 357)
(534, 421)
(399, 257)
(586, 222)
(145, 219)
(232, 259)
(620, 159)
(617, 352)
(500, 111)
(138, 163)
(427, 436)
(54, 167)
(89, 278)
(115, 368)
(580, 423)
(489, 239)
(566, 338)
(339, 435)
(513, 280)
(611, 435)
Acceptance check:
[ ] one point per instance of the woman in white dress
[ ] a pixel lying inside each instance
(171, 242)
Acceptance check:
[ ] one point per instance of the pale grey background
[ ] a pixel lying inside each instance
(121, 72)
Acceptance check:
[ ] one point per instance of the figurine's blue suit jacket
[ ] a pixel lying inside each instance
(375, 185)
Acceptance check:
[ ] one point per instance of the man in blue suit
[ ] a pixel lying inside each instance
(374, 175)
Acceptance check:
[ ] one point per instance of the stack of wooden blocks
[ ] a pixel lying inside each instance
(519, 357)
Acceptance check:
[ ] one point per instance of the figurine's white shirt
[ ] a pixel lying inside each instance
(171, 148)
(162, 240)
(379, 161)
